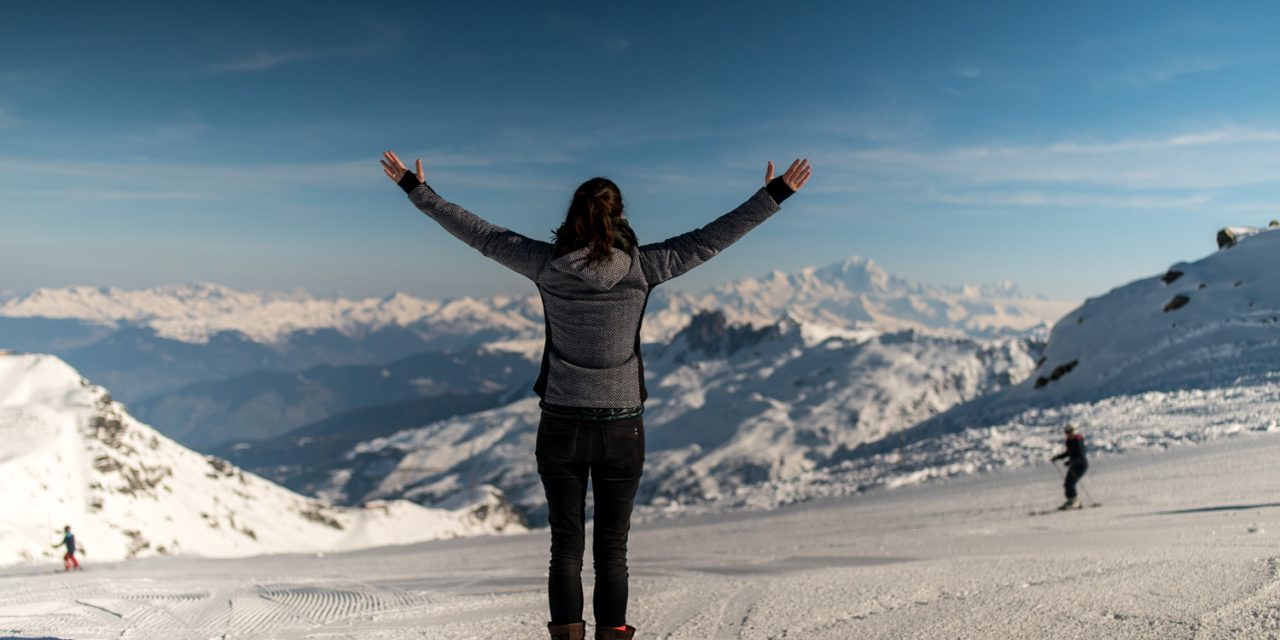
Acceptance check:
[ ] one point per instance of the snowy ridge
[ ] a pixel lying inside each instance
(71, 455)
(854, 294)
(859, 295)
(1212, 323)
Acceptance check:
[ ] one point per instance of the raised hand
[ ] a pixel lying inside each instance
(395, 169)
(796, 175)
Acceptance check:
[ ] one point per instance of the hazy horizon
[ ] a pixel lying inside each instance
(519, 291)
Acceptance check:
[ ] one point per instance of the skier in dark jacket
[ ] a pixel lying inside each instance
(595, 280)
(1077, 465)
(69, 561)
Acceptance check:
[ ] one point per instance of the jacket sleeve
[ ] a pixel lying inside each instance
(523, 255)
(665, 260)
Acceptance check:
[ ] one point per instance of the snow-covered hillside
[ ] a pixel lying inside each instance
(1206, 324)
(71, 455)
(729, 406)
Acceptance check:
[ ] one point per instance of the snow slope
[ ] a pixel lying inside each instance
(71, 455)
(1206, 324)
(1183, 548)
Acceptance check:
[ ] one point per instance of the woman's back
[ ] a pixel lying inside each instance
(593, 313)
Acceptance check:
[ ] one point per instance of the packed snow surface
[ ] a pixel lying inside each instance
(71, 455)
(1181, 548)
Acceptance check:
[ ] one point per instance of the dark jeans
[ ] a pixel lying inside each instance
(1074, 473)
(612, 454)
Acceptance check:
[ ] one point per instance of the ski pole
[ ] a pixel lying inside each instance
(1086, 492)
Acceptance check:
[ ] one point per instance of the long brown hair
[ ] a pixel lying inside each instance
(594, 215)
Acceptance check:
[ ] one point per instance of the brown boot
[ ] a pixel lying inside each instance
(575, 631)
(609, 633)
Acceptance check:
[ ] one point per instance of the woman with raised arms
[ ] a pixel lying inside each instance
(594, 279)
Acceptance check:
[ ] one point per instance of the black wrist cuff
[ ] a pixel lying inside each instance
(409, 181)
(778, 190)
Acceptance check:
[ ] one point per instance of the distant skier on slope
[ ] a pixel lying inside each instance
(1077, 465)
(69, 561)
(594, 280)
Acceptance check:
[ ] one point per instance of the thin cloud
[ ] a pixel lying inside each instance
(263, 61)
(1215, 159)
(1169, 71)
(1072, 200)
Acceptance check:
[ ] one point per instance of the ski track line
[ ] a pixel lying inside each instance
(117, 614)
(736, 611)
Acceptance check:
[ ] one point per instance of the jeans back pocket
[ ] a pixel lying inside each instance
(557, 439)
(624, 443)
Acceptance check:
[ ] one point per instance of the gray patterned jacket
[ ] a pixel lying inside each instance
(593, 312)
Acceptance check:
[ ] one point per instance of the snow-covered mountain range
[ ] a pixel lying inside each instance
(193, 313)
(70, 454)
(858, 295)
(854, 294)
(747, 415)
(148, 342)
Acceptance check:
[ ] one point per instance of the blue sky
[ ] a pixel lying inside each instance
(1068, 148)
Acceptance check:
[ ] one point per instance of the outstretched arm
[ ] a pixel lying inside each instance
(510, 249)
(673, 257)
